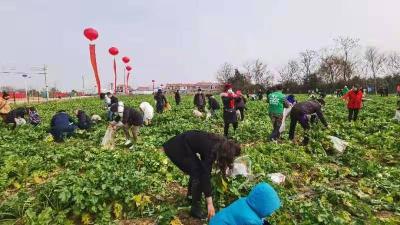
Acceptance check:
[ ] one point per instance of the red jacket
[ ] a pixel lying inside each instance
(354, 99)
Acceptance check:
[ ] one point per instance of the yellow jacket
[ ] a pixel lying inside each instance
(5, 107)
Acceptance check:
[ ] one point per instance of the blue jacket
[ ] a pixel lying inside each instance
(61, 119)
(260, 203)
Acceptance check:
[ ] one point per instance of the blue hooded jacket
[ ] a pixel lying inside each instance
(260, 203)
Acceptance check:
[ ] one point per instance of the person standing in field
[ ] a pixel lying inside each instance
(398, 90)
(228, 99)
(213, 104)
(5, 107)
(240, 104)
(345, 90)
(196, 153)
(200, 101)
(354, 102)
(277, 102)
(177, 97)
(260, 94)
(161, 101)
(300, 113)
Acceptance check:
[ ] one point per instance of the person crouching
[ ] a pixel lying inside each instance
(129, 119)
(262, 201)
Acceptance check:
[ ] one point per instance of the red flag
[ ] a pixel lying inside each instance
(115, 77)
(92, 50)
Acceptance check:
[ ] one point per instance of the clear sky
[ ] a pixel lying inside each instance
(180, 40)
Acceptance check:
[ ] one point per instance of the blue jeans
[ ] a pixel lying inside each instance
(59, 133)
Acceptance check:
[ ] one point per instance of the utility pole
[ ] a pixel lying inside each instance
(44, 69)
(83, 83)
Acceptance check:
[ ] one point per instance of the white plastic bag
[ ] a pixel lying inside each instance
(20, 121)
(148, 111)
(241, 166)
(397, 115)
(96, 118)
(197, 113)
(108, 139)
(338, 144)
(238, 115)
(277, 178)
(286, 112)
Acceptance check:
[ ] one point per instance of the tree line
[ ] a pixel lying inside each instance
(346, 62)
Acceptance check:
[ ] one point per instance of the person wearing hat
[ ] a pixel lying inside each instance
(5, 107)
(161, 101)
(228, 99)
(240, 104)
(200, 100)
(262, 202)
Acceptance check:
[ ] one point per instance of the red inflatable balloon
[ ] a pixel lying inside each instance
(125, 59)
(129, 68)
(91, 34)
(113, 51)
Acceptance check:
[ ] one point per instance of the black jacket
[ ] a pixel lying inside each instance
(13, 114)
(193, 152)
(113, 100)
(213, 103)
(84, 121)
(177, 97)
(301, 109)
(161, 100)
(61, 119)
(130, 116)
(240, 102)
(199, 99)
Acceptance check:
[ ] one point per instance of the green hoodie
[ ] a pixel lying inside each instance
(276, 102)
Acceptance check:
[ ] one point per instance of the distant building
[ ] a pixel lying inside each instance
(193, 87)
(143, 90)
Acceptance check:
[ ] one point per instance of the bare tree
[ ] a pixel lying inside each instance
(225, 72)
(258, 72)
(375, 63)
(347, 47)
(308, 62)
(393, 63)
(290, 73)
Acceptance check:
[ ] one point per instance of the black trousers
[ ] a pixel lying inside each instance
(353, 114)
(304, 123)
(226, 127)
(241, 110)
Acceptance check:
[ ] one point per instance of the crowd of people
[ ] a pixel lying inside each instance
(197, 152)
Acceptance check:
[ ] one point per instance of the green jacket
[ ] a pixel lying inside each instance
(276, 102)
(345, 90)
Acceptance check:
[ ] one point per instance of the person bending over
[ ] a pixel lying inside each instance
(262, 201)
(301, 112)
(195, 152)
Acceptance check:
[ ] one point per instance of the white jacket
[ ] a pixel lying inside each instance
(147, 109)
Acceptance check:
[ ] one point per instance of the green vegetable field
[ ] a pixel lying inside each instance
(78, 182)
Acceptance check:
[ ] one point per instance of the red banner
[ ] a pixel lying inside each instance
(115, 77)
(92, 50)
(127, 82)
